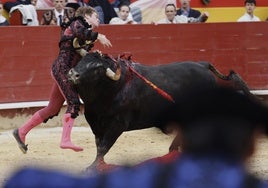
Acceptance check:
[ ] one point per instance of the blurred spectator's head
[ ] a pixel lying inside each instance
(185, 3)
(124, 11)
(250, 6)
(170, 11)
(220, 122)
(59, 4)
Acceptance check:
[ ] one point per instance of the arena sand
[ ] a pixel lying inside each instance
(131, 148)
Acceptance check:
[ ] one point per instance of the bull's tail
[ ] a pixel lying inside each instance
(239, 82)
(233, 77)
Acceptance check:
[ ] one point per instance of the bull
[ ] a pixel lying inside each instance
(121, 95)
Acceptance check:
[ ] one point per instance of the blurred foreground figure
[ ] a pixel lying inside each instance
(219, 129)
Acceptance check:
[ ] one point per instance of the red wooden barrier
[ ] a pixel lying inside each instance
(26, 59)
(15, 18)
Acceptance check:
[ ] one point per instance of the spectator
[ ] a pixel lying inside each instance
(187, 11)
(249, 16)
(118, 3)
(123, 16)
(59, 14)
(219, 130)
(3, 20)
(171, 17)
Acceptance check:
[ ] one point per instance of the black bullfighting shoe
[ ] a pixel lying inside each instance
(21, 145)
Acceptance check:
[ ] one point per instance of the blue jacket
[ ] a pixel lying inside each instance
(186, 172)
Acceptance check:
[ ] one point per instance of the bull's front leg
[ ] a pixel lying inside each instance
(103, 145)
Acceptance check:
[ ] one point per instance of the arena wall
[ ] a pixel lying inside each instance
(28, 52)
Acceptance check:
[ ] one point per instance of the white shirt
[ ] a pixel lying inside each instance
(2, 19)
(57, 16)
(117, 20)
(248, 18)
(177, 19)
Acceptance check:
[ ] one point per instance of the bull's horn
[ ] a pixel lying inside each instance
(78, 48)
(114, 76)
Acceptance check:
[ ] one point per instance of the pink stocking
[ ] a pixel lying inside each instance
(66, 134)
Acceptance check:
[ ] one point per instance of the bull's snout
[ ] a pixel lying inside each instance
(73, 76)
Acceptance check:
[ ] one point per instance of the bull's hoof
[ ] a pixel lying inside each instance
(99, 167)
(104, 167)
(21, 145)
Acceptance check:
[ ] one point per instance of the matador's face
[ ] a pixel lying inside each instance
(93, 20)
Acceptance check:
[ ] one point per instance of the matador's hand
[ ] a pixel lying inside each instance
(104, 41)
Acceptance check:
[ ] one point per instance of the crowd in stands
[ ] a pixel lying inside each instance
(111, 12)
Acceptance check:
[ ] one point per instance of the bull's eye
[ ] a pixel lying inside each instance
(96, 72)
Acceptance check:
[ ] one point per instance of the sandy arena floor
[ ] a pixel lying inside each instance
(135, 146)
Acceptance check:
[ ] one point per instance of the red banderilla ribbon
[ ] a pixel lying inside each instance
(160, 91)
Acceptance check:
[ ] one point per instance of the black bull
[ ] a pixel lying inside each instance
(119, 100)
